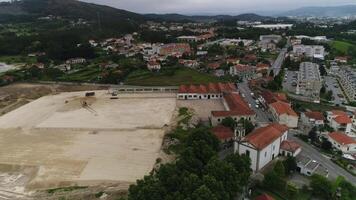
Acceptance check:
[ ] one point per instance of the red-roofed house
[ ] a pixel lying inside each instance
(340, 121)
(290, 148)
(284, 114)
(223, 133)
(235, 107)
(208, 91)
(153, 65)
(264, 197)
(175, 49)
(342, 142)
(312, 118)
(243, 71)
(263, 144)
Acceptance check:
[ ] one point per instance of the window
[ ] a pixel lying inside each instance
(248, 153)
(274, 147)
(266, 154)
(219, 119)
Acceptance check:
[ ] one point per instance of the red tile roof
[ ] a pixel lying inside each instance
(243, 68)
(223, 132)
(341, 138)
(264, 197)
(338, 112)
(214, 65)
(342, 119)
(262, 137)
(271, 97)
(237, 107)
(290, 146)
(315, 115)
(209, 88)
(283, 108)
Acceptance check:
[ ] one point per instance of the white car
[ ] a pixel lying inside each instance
(257, 106)
(243, 95)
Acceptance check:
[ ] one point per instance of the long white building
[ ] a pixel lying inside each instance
(310, 51)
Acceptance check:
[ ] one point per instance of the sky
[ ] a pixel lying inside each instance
(215, 6)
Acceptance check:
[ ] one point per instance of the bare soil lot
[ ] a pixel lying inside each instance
(202, 108)
(55, 141)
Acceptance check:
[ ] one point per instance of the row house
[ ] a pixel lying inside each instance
(342, 142)
(340, 121)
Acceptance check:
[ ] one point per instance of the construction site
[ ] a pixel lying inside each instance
(82, 138)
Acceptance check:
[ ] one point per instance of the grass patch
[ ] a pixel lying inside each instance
(17, 59)
(301, 106)
(342, 47)
(66, 189)
(170, 77)
(86, 74)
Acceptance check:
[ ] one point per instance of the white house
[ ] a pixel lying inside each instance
(284, 114)
(340, 121)
(342, 142)
(312, 118)
(290, 148)
(262, 145)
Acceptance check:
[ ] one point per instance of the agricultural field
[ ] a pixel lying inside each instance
(170, 78)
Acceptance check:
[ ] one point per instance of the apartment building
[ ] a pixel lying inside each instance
(310, 51)
(347, 78)
(309, 80)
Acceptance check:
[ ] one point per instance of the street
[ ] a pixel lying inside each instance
(276, 67)
(262, 116)
(334, 170)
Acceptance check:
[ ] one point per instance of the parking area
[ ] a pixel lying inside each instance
(332, 84)
(290, 81)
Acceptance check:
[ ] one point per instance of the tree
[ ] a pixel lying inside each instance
(313, 136)
(247, 124)
(229, 122)
(279, 169)
(326, 145)
(321, 187)
(290, 165)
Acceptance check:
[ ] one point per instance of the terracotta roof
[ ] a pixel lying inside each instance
(264, 197)
(237, 107)
(271, 97)
(261, 66)
(153, 63)
(338, 112)
(243, 68)
(341, 138)
(281, 96)
(262, 137)
(315, 115)
(342, 119)
(283, 108)
(209, 88)
(214, 65)
(223, 132)
(290, 146)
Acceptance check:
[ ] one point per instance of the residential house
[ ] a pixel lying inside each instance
(153, 65)
(74, 61)
(243, 71)
(290, 148)
(340, 121)
(342, 142)
(262, 145)
(175, 49)
(342, 59)
(312, 118)
(284, 114)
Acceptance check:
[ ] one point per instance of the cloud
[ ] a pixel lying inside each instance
(214, 6)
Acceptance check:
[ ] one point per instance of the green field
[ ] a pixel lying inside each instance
(17, 59)
(87, 74)
(342, 47)
(170, 78)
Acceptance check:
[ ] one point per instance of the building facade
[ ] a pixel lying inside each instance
(309, 80)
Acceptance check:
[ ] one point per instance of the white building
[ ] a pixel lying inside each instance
(347, 78)
(310, 51)
(153, 65)
(262, 145)
(309, 167)
(309, 80)
(284, 114)
(340, 121)
(342, 142)
(274, 26)
(312, 118)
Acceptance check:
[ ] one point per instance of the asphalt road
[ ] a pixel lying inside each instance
(262, 116)
(276, 67)
(334, 170)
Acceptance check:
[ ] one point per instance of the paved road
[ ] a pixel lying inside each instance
(262, 116)
(334, 170)
(276, 67)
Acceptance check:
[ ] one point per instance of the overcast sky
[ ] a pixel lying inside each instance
(215, 6)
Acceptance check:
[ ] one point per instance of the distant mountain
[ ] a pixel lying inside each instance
(204, 18)
(72, 9)
(335, 11)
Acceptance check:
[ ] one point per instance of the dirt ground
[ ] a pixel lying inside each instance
(66, 139)
(202, 108)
